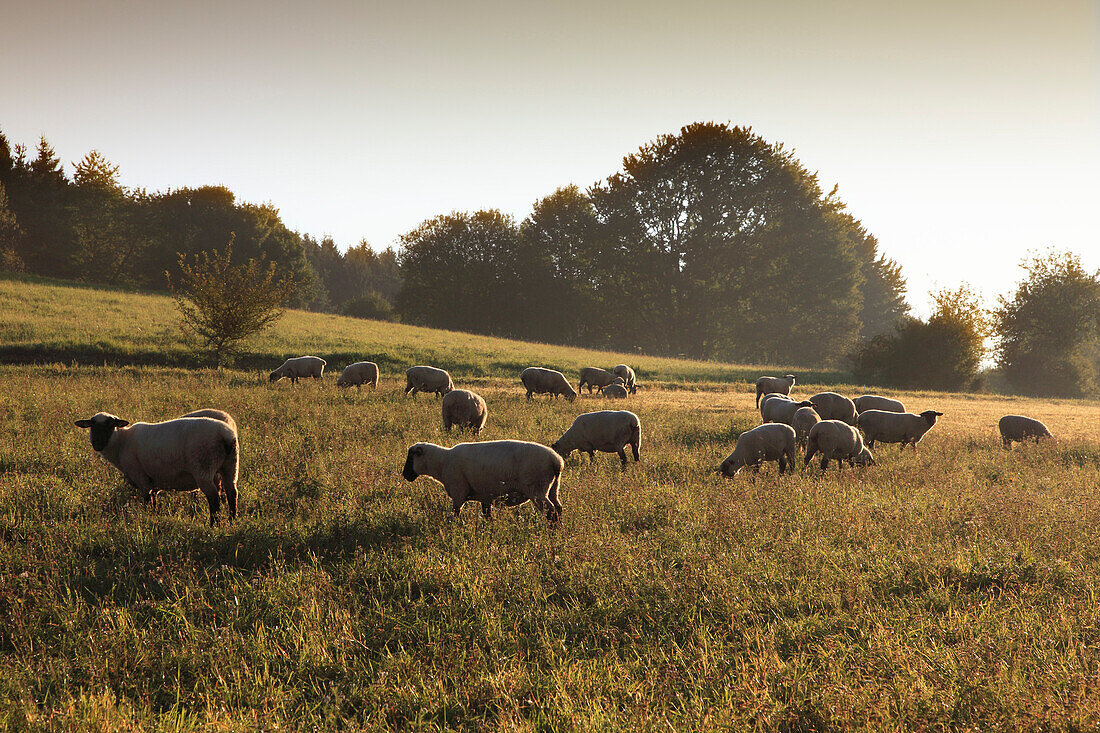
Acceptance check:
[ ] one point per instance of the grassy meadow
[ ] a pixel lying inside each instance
(955, 586)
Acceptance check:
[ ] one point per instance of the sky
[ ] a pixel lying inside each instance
(963, 134)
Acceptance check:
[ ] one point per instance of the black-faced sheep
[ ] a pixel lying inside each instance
(606, 431)
(833, 406)
(299, 367)
(511, 471)
(1019, 428)
(877, 402)
(773, 385)
(630, 380)
(837, 440)
(896, 427)
(185, 454)
(427, 379)
(768, 442)
(595, 378)
(803, 421)
(465, 409)
(358, 374)
(537, 380)
(777, 410)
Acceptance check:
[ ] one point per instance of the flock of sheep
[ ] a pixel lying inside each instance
(199, 451)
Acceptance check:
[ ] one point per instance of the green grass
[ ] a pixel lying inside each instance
(951, 587)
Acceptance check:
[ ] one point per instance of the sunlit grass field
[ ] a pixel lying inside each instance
(954, 586)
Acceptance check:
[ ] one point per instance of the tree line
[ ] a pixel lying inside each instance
(710, 243)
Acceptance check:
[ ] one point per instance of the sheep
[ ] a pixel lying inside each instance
(1019, 428)
(803, 420)
(773, 385)
(629, 378)
(547, 381)
(896, 427)
(210, 412)
(782, 410)
(614, 391)
(427, 379)
(184, 454)
(358, 374)
(838, 441)
(833, 406)
(767, 442)
(595, 377)
(877, 402)
(607, 431)
(299, 367)
(511, 471)
(465, 409)
(767, 398)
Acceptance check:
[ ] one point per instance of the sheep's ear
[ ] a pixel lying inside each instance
(83, 423)
(120, 423)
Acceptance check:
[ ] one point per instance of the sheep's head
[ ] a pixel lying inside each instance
(102, 426)
(930, 416)
(865, 458)
(570, 395)
(275, 376)
(557, 448)
(730, 467)
(789, 378)
(413, 461)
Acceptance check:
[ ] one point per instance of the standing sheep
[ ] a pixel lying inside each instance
(838, 441)
(184, 454)
(782, 410)
(1019, 428)
(773, 385)
(358, 374)
(510, 470)
(833, 406)
(547, 381)
(767, 398)
(803, 421)
(629, 378)
(594, 377)
(877, 402)
(768, 442)
(210, 412)
(465, 409)
(299, 368)
(614, 391)
(896, 427)
(607, 431)
(427, 379)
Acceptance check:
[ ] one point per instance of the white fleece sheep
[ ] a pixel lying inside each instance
(768, 442)
(629, 378)
(877, 402)
(837, 440)
(210, 412)
(896, 427)
(537, 380)
(358, 374)
(766, 398)
(298, 368)
(427, 379)
(614, 391)
(773, 385)
(833, 406)
(606, 431)
(465, 409)
(1019, 428)
(595, 378)
(512, 471)
(781, 410)
(803, 421)
(177, 455)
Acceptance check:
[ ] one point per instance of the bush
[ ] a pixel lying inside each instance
(372, 306)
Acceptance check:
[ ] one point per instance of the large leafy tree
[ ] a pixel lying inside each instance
(1049, 330)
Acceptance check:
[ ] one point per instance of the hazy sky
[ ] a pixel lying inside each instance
(961, 133)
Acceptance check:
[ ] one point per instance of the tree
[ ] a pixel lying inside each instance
(10, 235)
(370, 305)
(945, 352)
(223, 304)
(1049, 331)
(107, 222)
(95, 171)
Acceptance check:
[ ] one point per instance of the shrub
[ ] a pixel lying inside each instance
(371, 305)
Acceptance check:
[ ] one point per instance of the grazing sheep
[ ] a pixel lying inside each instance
(607, 431)
(877, 402)
(782, 410)
(298, 368)
(768, 442)
(427, 379)
(465, 409)
(594, 377)
(773, 385)
(358, 374)
(833, 406)
(837, 440)
(896, 427)
(547, 381)
(614, 391)
(184, 454)
(629, 378)
(803, 420)
(511, 471)
(1019, 428)
(769, 397)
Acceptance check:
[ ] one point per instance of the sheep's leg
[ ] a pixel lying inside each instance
(634, 448)
(622, 457)
(529, 393)
(230, 488)
(824, 463)
(591, 456)
(487, 508)
(209, 487)
(552, 494)
(870, 441)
